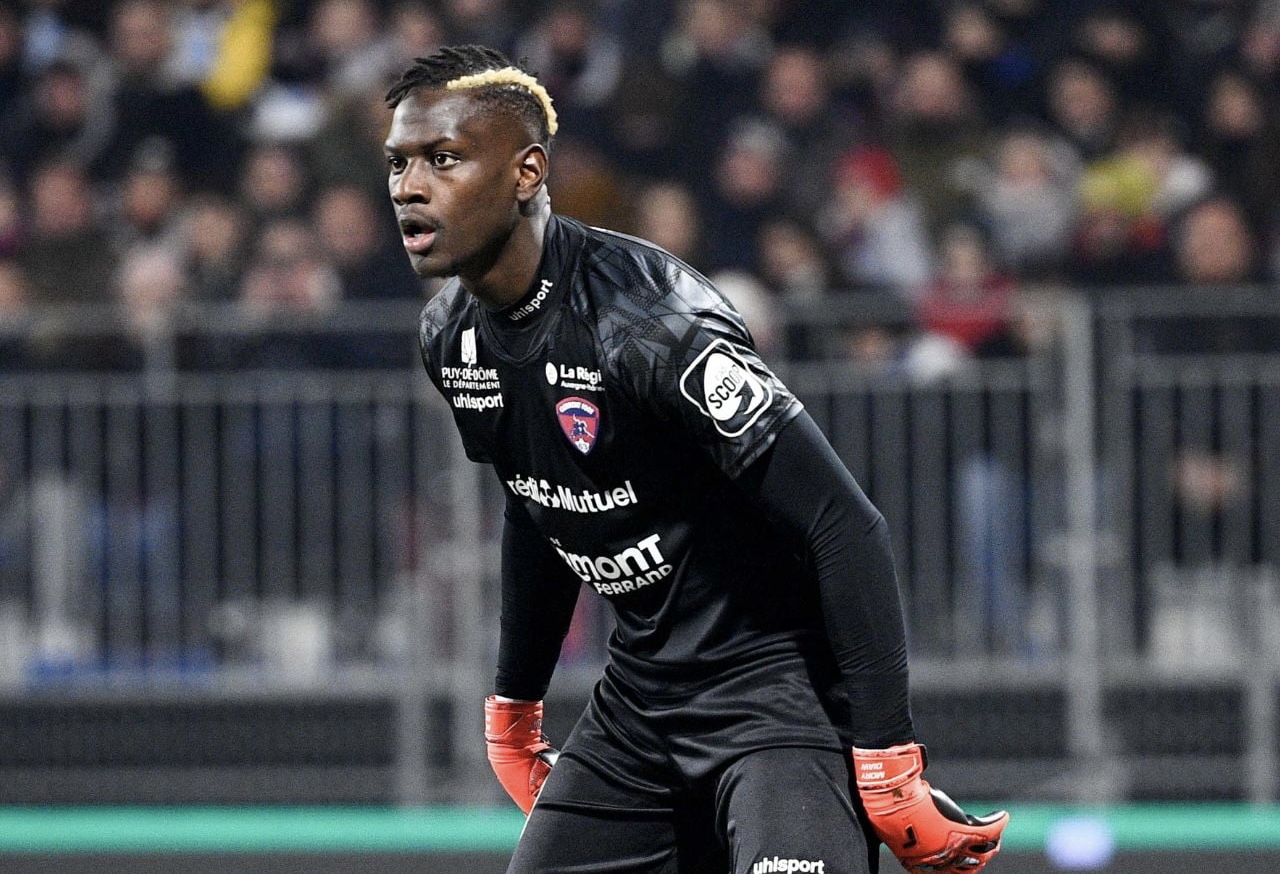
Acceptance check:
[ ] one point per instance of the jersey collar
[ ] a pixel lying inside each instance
(518, 329)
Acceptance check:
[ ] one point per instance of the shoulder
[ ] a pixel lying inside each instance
(630, 284)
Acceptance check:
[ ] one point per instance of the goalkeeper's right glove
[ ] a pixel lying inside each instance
(925, 830)
(518, 753)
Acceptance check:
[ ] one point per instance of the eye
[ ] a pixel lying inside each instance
(443, 160)
(395, 163)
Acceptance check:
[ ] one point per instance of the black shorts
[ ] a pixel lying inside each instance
(620, 802)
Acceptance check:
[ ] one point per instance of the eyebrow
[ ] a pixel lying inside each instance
(388, 147)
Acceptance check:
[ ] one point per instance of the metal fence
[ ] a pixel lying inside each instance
(1084, 526)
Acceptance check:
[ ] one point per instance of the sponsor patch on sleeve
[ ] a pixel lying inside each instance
(722, 386)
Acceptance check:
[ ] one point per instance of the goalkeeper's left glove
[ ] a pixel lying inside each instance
(923, 828)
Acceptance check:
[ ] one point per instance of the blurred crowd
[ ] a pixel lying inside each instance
(944, 161)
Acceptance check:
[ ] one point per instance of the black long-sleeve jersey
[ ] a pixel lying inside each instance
(620, 403)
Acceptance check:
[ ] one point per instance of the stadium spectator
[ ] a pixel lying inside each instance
(816, 128)
(415, 28)
(274, 181)
(935, 131)
(289, 275)
(793, 260)
(57, 29)
(760, 310)
(579, 61)
(1001, 68)
(714, 52)
(1214, 245)
(369, 264)
(1027, 200)
(1239, 138)
(288, 291)
(1209, 470)
(969, 302)
(148, 205)
(349, 45)
(873, 226)
(666, 213)
(1130, 197)
(1082, 106)
(58, 117)
(224, 46)
(1258, 46)
(149, 103)
(795, 271)
(863, 72)
(1128, 44)
(150, 285)
(67, 256)
(1206, 36)
(215, 231)
(347, 148)
(1155, 142)
(640, 122)
(748, 189)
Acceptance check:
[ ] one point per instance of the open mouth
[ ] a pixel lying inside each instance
(418, 235)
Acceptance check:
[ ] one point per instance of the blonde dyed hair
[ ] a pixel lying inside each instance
(509, 76)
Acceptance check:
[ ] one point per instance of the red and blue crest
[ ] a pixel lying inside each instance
(580, 422)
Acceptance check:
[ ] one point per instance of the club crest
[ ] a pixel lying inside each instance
(580, 422)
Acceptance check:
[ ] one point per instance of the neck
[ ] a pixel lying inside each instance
(511, 273)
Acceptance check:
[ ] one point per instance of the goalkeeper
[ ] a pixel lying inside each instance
(753, 715)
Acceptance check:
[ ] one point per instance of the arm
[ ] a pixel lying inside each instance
(539, 593)
(807, 492)
(805, 488)
(538, 597)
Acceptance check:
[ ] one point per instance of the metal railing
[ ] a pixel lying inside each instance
(182, 526)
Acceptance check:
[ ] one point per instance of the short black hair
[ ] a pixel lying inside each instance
(453, 62)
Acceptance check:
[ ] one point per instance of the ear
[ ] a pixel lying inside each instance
(532, 169)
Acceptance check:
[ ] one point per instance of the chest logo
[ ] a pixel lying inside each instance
(574, 377)
(580, 422)
(470, 354)
(471, 387)
(722, 385)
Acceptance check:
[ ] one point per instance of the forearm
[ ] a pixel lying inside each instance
(808, 492)
(538, 598)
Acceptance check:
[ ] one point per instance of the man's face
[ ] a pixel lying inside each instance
(454, 178)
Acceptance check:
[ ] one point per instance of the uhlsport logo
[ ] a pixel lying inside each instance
(580, 422)
(523, 312)
(777, 865)
(721, 384)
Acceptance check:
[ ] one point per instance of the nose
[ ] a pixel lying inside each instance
(410, 185)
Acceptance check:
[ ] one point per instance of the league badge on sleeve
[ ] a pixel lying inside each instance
(722, 385)
(580, 422)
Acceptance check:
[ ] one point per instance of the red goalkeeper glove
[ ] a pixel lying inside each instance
(925, 830)
(518, 753)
